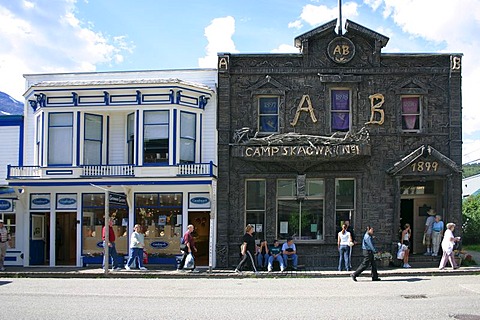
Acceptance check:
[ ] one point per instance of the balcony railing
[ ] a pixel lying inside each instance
(124, 170)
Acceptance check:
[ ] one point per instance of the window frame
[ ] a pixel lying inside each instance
(419, 114)
(85, 140)
(332, 111)
(260, 115)
(256, 211)
(130, 138)
(167, 158)
(50, 135)
(352, 210)
(188, 138)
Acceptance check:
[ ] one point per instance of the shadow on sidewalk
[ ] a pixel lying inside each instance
(404, 280)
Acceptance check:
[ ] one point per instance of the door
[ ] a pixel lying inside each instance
(201, 234)
(39, 239)
(66, 238)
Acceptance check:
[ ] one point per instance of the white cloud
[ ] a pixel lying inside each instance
(297, 24)
(219, 36)
(314, 15)
(285, 48)
(38, 40)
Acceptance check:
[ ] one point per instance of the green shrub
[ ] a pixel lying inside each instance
(471, 220)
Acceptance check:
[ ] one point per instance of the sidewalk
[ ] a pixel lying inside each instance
(158, 272)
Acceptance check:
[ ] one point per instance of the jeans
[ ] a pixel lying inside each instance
(113, 255)
(292, 257)
(344, 258)
(138, 254)
(278, 258)
(368, 259)
(262, 260)
(436, 240)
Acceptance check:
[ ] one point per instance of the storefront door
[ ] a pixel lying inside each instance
(414, 212)
(65, 238)
(201, 222)
(39, 242)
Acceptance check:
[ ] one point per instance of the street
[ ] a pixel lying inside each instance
(409, 297)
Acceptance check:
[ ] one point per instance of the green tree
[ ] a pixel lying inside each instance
(471, 219)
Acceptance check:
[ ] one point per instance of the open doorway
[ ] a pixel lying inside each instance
(65, 238)
(201, 222)
(406, 216)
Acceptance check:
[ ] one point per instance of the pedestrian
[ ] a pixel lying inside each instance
(447, 245)
(427, 233)
(405, 240)
(263, 255)
(137, 243)
(190, 247)
(368, 251)
(248, 249)
(112, 251)
(4, 237)
(344, 241)
(437, 234)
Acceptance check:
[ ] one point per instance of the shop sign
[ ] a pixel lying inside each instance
(306, 151)
(67, 201)
(199, 201)
(40, 201)
(6, 205)
(159, 244)
(117, 199)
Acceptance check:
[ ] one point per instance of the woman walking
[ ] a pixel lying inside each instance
(248, 249)
(344, 241)
(447, 245)
(137, 243)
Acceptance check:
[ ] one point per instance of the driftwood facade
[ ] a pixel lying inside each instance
(339, 131)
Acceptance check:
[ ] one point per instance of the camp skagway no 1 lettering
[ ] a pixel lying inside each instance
(337, 132)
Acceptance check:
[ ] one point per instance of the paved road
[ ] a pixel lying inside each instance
(446, 297)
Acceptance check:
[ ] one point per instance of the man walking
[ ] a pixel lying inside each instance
(4, 237)
(189, 246)
(112, 251)
(368, 259)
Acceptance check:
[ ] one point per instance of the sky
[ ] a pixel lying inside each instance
(49, 36)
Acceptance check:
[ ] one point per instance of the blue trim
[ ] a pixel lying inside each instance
(58, 172)
(200, 139)
(137, 150)
(42, 142)
(21, 145)
(78, 138)
(174, 138)
(107, 142)
(11, 120)
(113, 183)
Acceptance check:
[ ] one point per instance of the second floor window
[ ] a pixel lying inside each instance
(155, 137)
(411, 111)
(60, 138)
(268, 114)
(340, 110)
(188, 134)
(131, 137)
(92, 147)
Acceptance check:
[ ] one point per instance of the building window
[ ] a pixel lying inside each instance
(255, 206)
(92, 144)
(268, 114)
(344, 201)
(93, 220)
(160, 215)
(188, 137)
(60, 138)
(155, 137)
(131, 138)
(411, 111)
(302, 220)
(9, 222)
(340, 110)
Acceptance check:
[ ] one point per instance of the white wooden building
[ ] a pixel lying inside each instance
(149, 136)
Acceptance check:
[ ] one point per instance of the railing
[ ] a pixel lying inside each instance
(108, 170)
(197, 169)
(23, 172)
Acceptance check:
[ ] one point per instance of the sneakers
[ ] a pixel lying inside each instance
(238, 271)
(269, 270)
(141, 268)
(427, 253)
(127, 268)
(406, 265)
(180, 270)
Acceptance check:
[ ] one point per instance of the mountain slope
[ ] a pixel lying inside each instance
(10, 106)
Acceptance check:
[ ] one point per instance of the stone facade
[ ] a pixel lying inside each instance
(377, 151)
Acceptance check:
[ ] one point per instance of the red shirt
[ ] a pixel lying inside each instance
(111, 234)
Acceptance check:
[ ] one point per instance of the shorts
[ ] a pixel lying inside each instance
(407, 243)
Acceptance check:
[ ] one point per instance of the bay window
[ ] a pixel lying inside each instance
(188, 135)
(60, 138)
(92, 145)
(155, 137)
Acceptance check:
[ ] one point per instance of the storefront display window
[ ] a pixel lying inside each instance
(93, 218)
(344, 201)
(9, 222)
(255, 206)
(301, 219)
(160, 215)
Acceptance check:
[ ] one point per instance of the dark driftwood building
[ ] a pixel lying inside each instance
(339, 131)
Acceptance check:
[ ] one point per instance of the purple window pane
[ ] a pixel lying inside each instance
(410, 105)
(340, 121)
(340, 100)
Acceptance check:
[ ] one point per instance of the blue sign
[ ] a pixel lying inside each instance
(200, 200)
(5, 205)
(67, 201)
(159, 244)
(41, 201)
